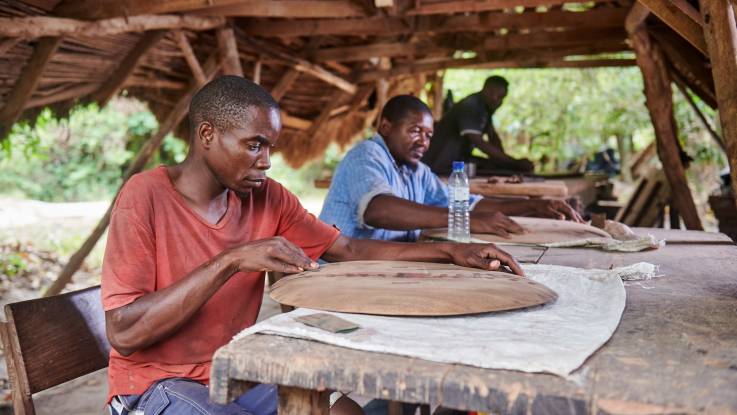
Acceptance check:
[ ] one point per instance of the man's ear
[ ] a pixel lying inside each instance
(205, 134)
(385, 126)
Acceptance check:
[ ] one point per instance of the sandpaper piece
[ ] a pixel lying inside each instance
(328, 322)
(398, 288)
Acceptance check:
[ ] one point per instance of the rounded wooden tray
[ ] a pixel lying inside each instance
(537, 231)
(397, 288)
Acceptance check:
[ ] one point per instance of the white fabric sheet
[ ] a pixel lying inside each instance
(555, 338)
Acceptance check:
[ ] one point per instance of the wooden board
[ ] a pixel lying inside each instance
(537, 231)
(549, 188)
(401, 288)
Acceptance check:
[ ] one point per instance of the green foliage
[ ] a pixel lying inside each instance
(12, 264)
(81, 157)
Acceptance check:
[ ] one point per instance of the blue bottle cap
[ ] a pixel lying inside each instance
(458, 166)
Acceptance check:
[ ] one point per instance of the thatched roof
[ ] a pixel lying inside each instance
(330, 63)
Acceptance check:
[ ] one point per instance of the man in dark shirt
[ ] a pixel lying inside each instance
(463, 128)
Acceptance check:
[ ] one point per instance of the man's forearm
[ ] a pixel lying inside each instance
(347, 249)
(509, 207)
(391, 212)
(159, 314)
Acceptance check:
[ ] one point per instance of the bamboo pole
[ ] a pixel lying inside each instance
(175, 116)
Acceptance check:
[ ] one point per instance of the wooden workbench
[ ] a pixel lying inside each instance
(675, 351)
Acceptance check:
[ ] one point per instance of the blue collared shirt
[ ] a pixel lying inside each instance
(369, 170)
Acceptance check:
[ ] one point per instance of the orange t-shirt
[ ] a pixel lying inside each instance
(155, 239)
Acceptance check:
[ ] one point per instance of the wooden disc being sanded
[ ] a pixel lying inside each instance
(398, 288)
(537, 231)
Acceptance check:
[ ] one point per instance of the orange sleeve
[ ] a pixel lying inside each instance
(302, 228)
(129, 266)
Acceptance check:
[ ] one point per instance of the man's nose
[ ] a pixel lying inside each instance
(264, 160)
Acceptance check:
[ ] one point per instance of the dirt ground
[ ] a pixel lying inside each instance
(36, 232)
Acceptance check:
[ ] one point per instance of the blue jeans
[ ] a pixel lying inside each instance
(187, 397)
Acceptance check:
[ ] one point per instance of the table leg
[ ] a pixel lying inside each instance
(298, 401)
(395, 408)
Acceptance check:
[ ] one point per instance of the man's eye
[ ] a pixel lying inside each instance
(254, 147)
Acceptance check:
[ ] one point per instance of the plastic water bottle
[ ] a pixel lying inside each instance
(459, 222)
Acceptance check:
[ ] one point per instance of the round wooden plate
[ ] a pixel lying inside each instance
(537, 231)
(398, 288)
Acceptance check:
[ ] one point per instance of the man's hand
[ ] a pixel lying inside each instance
(483, 256)
(556, 209)
(272, 254)
(495, 223)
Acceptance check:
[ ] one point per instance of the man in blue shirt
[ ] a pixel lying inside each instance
(381, 190)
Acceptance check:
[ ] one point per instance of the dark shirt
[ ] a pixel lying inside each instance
(470, 115)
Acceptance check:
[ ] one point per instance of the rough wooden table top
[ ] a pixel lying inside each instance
(675, 351)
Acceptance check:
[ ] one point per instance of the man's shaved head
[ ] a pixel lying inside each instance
(400, 106)
(224, 102)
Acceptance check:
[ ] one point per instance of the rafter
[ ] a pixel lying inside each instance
(126, 67)
(491, 43)
(678, 21)
(284, 83)
(189, 56)
(40, 26)
(475, 6)
(228, 48)
(293, 9)
(508, 59)
(390, 26)
(98, 9)
(26, 84)
(303, 65)
(7, 44)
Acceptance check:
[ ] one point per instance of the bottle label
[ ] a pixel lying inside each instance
(460, 194)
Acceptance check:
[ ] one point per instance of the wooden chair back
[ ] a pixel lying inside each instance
(49, 341)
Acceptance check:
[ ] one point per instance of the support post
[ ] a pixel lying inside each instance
(175, 116)
(659, 100)
(298, 401)
(720, 31)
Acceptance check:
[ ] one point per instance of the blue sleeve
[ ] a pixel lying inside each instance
(436, 192)
(359, 178)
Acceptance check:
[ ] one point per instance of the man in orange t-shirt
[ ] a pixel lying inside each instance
(187, 250)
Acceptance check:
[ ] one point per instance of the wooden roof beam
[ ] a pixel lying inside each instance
(7, 44)
(512, 41)
(679, 21)
(42, 26)
(99, 9)
(304, 66)
(189, 56)
(293, 9)
(228, 47)
(26, 84)
(286, 82)
(476, 6)
(126, 67)
(390, 26)
(510, 59)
